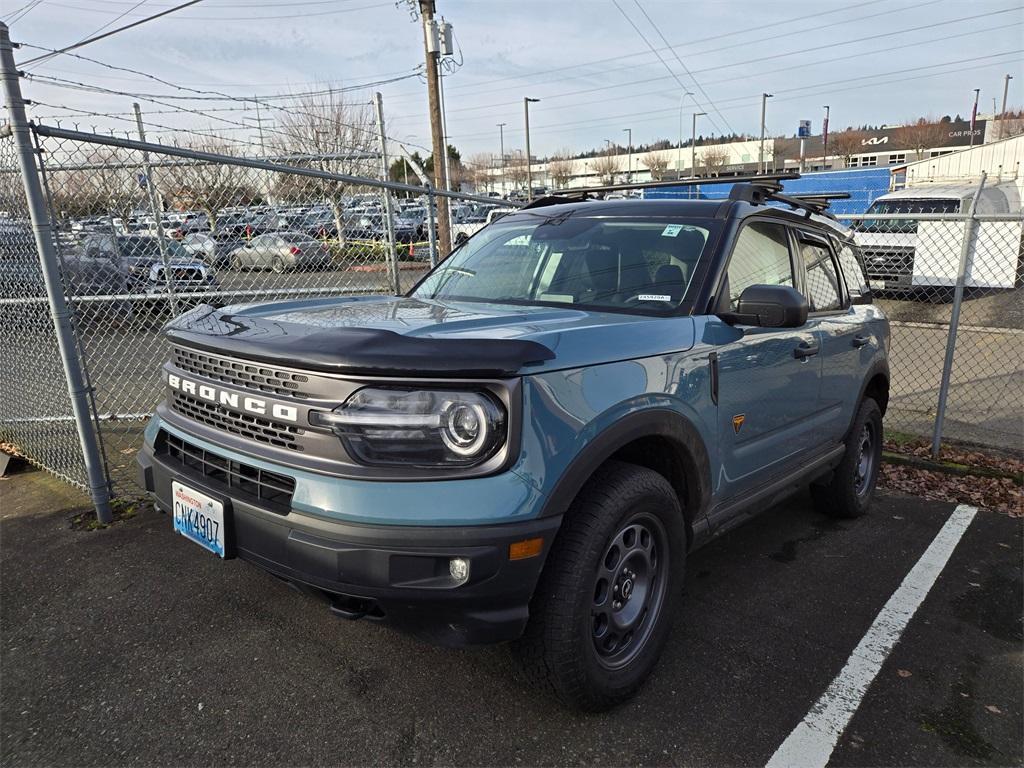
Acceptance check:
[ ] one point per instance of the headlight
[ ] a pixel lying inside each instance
(424, 427)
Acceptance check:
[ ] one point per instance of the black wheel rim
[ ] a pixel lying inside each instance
(629, 590)
(864, 471)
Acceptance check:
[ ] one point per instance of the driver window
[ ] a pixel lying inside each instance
(761, 257)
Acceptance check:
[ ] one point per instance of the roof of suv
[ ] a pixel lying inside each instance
(703, 209)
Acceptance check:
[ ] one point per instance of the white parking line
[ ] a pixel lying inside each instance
(811, 743)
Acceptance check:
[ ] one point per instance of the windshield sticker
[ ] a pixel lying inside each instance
(653, 297)
(672, 230)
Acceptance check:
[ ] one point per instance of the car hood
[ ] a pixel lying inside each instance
(394, 335)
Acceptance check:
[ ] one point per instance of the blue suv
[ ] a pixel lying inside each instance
(526, 446)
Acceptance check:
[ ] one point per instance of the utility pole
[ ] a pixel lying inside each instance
(389, 224)
(760, 150)
(432, 53)
(629, 154)
(974, 113)
(501, 142)
(693, 144)
(1002, 112)
(157, 211)
(529, 168)
(824, 141)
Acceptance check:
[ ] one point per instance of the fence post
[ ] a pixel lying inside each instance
(155, 209)
(44, 237)
(954, 319)
(378, 102)
(431, 226)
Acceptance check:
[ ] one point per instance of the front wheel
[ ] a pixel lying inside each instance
(604, 605)
(849, 491)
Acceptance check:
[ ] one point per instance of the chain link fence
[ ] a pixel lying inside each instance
(144, 232)
(36, 418)
(930, 271)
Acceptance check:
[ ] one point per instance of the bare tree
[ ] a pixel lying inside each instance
(923, 134)
(327, 133)
(209, 186)
(515, 170)
(478, 170)
(605, 167)
(111, 186)
(560, 169)
(656, 163)
(714, 161)
(1010, 124)
(846, 144)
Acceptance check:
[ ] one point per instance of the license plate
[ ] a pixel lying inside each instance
(198, 517)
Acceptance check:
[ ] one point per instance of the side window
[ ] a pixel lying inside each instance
(853, 272)
(761, 257)
(823, 292)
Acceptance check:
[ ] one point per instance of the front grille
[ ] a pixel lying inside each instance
(243, 375)
(888, 263)
(182, 274)
(269, 489)
(243, 424)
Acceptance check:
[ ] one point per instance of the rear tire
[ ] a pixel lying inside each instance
(849, 491)
(604, 605)
(277, 265)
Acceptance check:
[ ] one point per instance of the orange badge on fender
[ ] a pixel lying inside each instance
(737, 422)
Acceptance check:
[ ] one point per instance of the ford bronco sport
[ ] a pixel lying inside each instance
(526, 445)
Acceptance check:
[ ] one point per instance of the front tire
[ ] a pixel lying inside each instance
(605, 601)
(849, 492)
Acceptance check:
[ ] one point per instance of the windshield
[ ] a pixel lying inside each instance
(905, 205)
(596, 263)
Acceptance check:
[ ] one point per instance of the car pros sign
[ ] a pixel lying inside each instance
(234, 400)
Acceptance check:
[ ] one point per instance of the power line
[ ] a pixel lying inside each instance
(757, 60)
(89, 40)
(675, 53)
(22, 12)
(669, 69)
(246, 18)
(874, 80)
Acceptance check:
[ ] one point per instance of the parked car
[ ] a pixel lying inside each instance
(141, 261)
(214, 248)
(526, 447)
(281, 252)
(463, 230)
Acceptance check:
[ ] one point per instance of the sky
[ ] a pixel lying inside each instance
(590, 62)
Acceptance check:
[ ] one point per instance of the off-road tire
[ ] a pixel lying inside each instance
(558, 650)
(846, 494)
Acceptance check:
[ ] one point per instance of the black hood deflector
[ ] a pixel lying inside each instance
(350, 350)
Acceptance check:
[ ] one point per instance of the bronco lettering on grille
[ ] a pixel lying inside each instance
(246, 403)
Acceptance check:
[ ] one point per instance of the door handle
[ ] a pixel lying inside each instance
(861, 341)
(806, 349)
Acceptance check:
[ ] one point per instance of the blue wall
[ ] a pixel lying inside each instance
(863, 184)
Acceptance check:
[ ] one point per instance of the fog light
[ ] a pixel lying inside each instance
(458, 567)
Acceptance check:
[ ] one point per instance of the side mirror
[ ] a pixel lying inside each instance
(769, 306)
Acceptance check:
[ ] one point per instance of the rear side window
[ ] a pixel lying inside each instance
(761, 257)
(853, 271)
(823, 291)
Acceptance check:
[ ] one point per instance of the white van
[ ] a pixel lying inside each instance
(901, 254)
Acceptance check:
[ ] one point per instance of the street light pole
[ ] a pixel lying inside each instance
(760, 151)
(693, 145)
(974, 113)
(824, 141)
(529, 168)
(629, 154)
(679, 149)
(501, 140)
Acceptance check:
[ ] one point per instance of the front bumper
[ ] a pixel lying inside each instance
(395, 573)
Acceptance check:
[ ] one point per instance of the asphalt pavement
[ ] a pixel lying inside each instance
(132, 646)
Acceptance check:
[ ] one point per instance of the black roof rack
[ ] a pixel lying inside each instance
(751, 179)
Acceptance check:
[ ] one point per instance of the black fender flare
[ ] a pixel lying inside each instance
(655, 422)
(879, 365)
